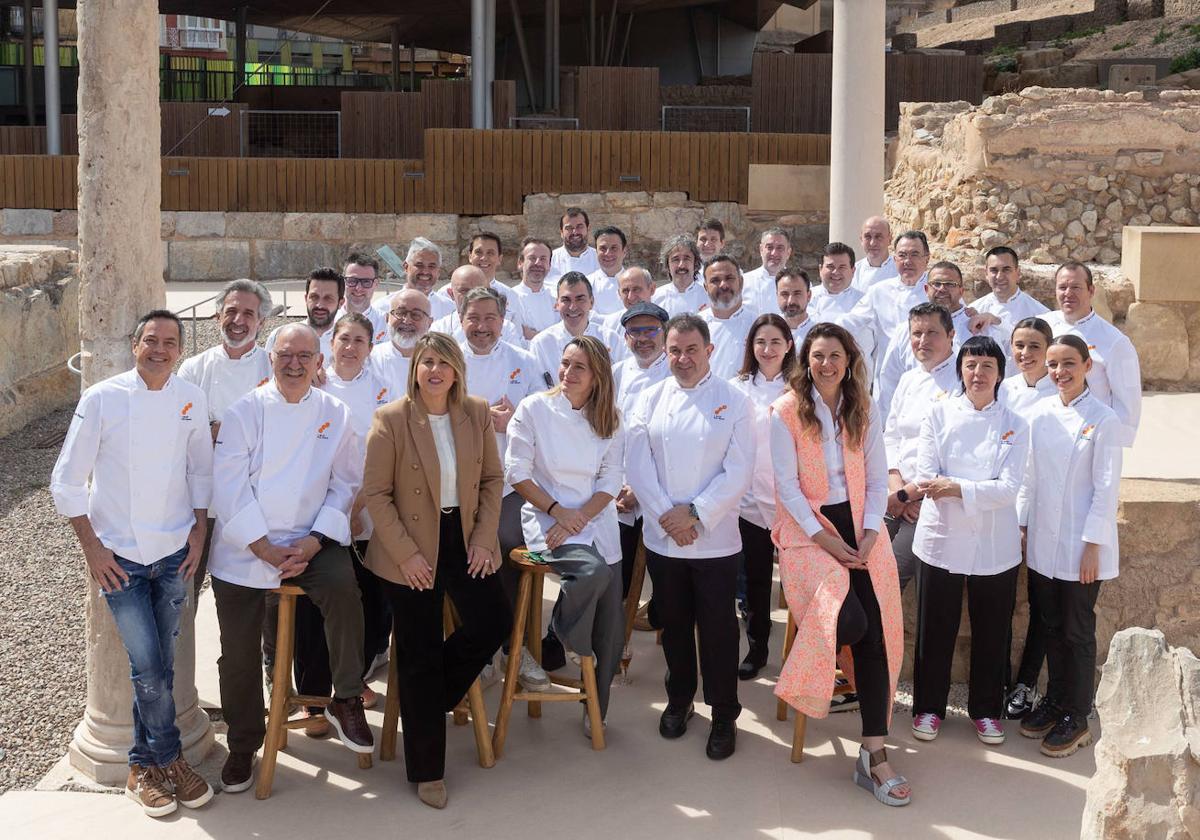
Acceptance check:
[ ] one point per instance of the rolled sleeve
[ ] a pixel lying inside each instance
(518, 458)
(69, 480)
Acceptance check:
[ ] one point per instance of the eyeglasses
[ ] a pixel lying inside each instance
(360, 282)
(909, 255)
(944, 284)
(304, 358)
(409, 314)
(643, 332)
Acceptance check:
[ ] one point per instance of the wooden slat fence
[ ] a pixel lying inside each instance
(618, 98)
(189, 129)
(31, 139)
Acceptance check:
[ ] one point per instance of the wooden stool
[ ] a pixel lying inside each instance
(528, 624)
(282, 695)
(472, 705)
(781, 710)
(633, 599)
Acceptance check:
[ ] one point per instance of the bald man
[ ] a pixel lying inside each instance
(877, 265)
(465, 278)
(408, 316)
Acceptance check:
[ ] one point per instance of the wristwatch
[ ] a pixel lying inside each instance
(321, 538)
(692, 512)
(902, 495)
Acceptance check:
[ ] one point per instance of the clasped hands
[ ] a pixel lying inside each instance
(292, 559)
(849, 558)
(680, 525)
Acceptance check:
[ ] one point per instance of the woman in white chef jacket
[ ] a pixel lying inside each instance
(970, 461)
(767, 364)
(1068, 510)
(566, 454)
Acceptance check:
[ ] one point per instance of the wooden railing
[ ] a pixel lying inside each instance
(463, 171)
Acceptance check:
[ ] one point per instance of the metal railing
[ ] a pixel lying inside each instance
(543, 123)
(706, 118)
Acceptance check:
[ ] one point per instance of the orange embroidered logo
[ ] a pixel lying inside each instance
(719, 410)
(379, 397)
(264, 381)
(379, 335)
(186, 409)
(1007, 438)
(1006, 435)
(322, 429)
(1091, 346)
(512, 377)
(1087, 430)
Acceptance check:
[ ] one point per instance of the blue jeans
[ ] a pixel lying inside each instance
(147, 614)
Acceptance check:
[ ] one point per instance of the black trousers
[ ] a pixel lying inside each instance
(435, 672)
(860, 625)
(990, 601)
(311, 664)
(694, 597)
(759, 553)
(1034, 652)
(1068, 610)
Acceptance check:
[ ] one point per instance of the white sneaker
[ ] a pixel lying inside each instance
(490, 675)
(531, 675)
(377, 663)
(587, 725)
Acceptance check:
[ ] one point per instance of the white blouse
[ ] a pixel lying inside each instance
(758, 505)
(443, 440)
(554, 445)
(984, 451)
(1072, 483)
(1021, 397)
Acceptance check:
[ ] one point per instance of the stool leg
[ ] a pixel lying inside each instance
(798, 737)
(483, 739)
(534, 633)
(514, 662)
(789, 636)
(280, 689)
(391, 709)
(633, 599)
(588, 667)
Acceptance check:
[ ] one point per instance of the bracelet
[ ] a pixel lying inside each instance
(552, 504)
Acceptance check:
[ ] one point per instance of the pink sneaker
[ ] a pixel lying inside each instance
(989, 730)
(925, 726)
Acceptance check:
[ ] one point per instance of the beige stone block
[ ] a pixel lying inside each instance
(254, 225)
(1153, 258)
(216, 259)
(369, 227)
(1160, 336)
(670, 199)
(627, 200)
(664, 222)
(66, 223)
(439, 227)
(275, 259)
(1126, 77)
(27, 223)
(198, 225)
(1038, 59)
(310, 226)
(785, 188)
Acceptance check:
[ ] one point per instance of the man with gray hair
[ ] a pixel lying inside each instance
(465, 278)
(408, 320)
(680, 257)
(422, 270)
(758, 285)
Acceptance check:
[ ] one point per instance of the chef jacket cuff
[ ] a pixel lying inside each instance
(70, 501)
(247, 526)
(334, 524)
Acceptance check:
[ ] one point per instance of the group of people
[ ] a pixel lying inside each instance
(865, 432)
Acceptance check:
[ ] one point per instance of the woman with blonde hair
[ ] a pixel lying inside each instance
(839, 577)
(432, 488)
(566, 453)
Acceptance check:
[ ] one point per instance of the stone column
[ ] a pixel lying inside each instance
(121, 278)
(856, 142)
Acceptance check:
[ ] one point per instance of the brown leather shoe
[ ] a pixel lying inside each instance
(350, 722)
(191, 790)
(238, 773)
(433, 794)
(315, 725)
(147, 786)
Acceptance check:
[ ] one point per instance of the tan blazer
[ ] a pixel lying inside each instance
(402, 483)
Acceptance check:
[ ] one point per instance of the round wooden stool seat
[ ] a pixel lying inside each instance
(519, 558)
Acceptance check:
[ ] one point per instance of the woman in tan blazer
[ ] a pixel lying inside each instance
(432, 487)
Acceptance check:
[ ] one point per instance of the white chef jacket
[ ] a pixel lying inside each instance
(538, 306)
(280, 471)
(554, 445)
(1017, 308)
(728, 336)
(379, 325)
(836, 309)
(786, 467)
(883, 308)
(917, 390)
(440, 304)
(692, 446)
(612, 323)
(867, 275)
(506, 371)
(985, 452)
(606, 299)
(758, 291)
(1017, 394)
(692, 299)
(561, 262)
(391, 366)
(326, 339)
(548, 345)
(224, 380)
(630, 379)
(1116, 375)
(801, 332)
(149, 457)
(758, 505)
(1071, 487)
(362, 395)
(451, 325)
(514, 309)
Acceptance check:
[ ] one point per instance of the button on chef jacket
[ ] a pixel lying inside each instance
(692, 299)
(758, 505)
(362, 395)
(148, 455)
(630, 379)
(1071, 487)
(280, 470)
(325, 338)
(1116, 375)
(538, 306)
(391, 366)
(377, 317)
(224, 380)
(728, 337)
(918, 388)
(867, 275)
(548, 345)
(1017, 394)
(692, 446)
(985, 452)
(605, 298)
(561, 262)
(552, 444)
(506, 371)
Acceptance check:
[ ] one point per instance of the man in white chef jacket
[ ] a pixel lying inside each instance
(486, 253)
(408, 319)
(877, 263)
(537, 296)
(324, 295)
(680, 258)
(285, 473)
(462, 280)
(361, 278)
(728, 316)
(611, 248)
(574, 254)
(422, 270)
(775, 251)
(135, 477)
(575, 303)
(689, 460)
(793, 291)
(634, 285)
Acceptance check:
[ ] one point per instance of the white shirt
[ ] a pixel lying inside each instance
(362, 395)
(835, 308)
(801, 332)
(443, 442)
(985, 452)
(675, 302)
(506, 371)
(605, 298)
(728, 336)
(326, 339)
(917, 390)
(630, 379)
(548, 345)
(1071, 487)
(280, 470)
(1116, 375)
(514, 310)
(224, 380)
(561, 262)
(1018, 395)
(377, 317)
(758, 291)
(787, 469)
(391, 366)
(758, 505)
(883, 308)
(538, 307)
(440, 304)
(867, 275)
(148, 455)
(451, 325)
(692, 446)
(554, 445)
(612, 322)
